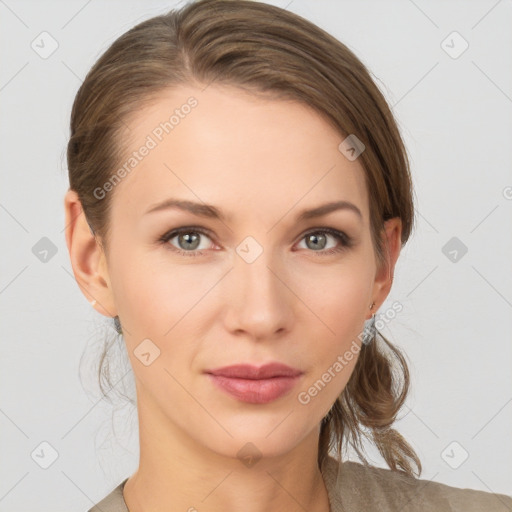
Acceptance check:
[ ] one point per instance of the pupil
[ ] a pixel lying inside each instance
(315, 238)
(188, 238)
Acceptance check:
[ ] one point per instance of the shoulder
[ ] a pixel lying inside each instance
(113, 502)
(358, 487)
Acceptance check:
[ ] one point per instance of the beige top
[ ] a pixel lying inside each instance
(358, 488)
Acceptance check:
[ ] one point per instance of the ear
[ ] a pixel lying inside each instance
(391, 236)
(87, 257)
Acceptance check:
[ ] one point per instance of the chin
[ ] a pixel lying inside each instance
(267, 437)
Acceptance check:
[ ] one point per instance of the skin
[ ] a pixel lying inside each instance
(262, 162)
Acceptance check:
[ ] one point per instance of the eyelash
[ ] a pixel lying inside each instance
(346, 241)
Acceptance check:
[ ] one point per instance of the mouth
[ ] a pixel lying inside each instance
(256, 385)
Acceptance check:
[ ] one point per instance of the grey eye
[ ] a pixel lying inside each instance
(314, 241)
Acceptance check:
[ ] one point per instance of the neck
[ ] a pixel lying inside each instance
(177, 474)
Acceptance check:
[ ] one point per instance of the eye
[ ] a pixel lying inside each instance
(318, 237)
(188, 238)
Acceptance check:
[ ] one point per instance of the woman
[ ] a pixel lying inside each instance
(246, 194)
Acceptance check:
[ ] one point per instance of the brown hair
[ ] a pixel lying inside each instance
(270, 51)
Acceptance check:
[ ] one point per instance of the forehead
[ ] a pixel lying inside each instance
(227, 147)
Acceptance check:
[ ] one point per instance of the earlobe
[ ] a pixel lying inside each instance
(87, 257)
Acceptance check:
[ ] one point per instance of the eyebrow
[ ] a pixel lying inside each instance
(210, 211)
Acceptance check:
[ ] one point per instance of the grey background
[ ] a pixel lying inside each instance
(456, 325)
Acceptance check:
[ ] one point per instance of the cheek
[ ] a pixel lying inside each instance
(166, 304)
(151, 292)
(338, 297)
(338, 311)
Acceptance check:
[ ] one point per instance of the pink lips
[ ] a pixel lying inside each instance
(257, 385)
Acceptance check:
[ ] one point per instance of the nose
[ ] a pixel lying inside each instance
(260, 302)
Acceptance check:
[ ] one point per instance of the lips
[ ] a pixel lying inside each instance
(247, 371)
(255, 385)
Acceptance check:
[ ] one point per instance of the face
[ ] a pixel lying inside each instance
(256, 283)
